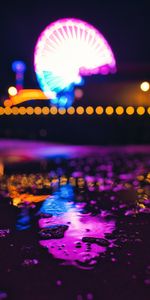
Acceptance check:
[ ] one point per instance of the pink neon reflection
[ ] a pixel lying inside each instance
(80, 225)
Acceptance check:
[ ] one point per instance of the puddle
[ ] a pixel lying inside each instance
(72, 248)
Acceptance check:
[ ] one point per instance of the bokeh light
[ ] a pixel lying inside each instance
(109, 110)
(18, 66)
(148, 110)
(53, 110)
(78, 93)
(89, 110)
(22, 110)
(7, 102)
(140, 110)
(80, 110)
(130, 110)
(15, 110)
(1, 110)
(119, 110)
(62, 110)
(29, 110)
(99, 110)
(71, 110)
(145, 86)
(7, 110)
(45, 110)
(12, 91)
(37, 110)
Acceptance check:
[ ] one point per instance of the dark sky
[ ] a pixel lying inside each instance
(125, 24)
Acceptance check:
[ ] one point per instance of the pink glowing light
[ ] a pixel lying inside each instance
(80, 225)
(68, 49)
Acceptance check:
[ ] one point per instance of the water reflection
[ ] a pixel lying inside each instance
(24, 220)
(71, 235)
(69, 194)
(59, 202)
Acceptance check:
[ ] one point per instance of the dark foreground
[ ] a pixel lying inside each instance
(76, 226)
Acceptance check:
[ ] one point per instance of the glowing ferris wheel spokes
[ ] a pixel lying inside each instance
(67, 50)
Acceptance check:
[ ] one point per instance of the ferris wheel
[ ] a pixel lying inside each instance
(66, 51)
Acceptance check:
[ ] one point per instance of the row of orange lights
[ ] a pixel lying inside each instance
(80, 110)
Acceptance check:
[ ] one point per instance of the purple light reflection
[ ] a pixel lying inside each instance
(71, 248)
(19, 150)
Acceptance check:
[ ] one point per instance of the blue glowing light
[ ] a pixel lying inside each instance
(59, 203)
(18, 66)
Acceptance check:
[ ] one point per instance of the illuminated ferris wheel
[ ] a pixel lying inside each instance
(66, 51)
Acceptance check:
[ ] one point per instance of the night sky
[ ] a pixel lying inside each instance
(125, 24)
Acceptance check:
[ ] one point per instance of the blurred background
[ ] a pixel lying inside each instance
(108, 109)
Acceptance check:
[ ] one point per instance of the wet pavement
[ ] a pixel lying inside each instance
(78, 228)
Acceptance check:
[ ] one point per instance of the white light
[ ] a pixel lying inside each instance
(12, 91)
(67, 50)
(145, 86)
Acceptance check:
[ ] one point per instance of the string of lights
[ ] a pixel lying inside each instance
(79, 110)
